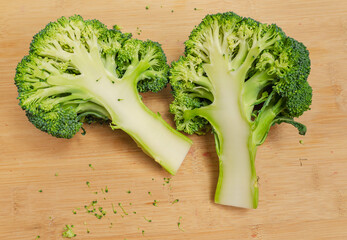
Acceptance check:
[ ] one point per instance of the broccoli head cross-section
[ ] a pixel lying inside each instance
(239, 77)
(79, 71)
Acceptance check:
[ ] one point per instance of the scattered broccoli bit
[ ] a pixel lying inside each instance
(111, 225)
(134, 212)
(88, 230)
(167, 180)
(76, 70)
(88, 184)
(91, 207)
(179, 224)
(37, 237)
(102, 211)
(301, 141)
(128, 191)
(120, 205)
(104, 190)
(68, 232)
(56, 174)
(148, 220)
(147, 7)
(143, 232)
(172, 11)
(40, 190)
(74, 212)
(149, 193)
(113, 209)
(138, 31)
(91, 166)
(175, 201)
(155, 203)
(95, 192)
(239, 77)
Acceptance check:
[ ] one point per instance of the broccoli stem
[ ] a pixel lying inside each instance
(157, 139)
(237, 182)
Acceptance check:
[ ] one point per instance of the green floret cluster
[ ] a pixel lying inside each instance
(267, 60)
(239, 77)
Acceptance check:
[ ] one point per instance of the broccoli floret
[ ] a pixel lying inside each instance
(239, 77)
(79, 71)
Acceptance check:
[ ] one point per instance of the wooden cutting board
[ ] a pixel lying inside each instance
(303, 189)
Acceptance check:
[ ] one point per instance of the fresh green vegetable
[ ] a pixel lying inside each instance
(77, 71)
(239, 77)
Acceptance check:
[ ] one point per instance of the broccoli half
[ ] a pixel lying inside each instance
(79, 71)
(239, 77)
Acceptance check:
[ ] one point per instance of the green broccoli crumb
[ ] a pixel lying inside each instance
(175, 201)
(155, 203)
(40, 190)
(120, 205)
(113, 209)
(88, 184)
(68, 233)
(167, 180)
(179, 224)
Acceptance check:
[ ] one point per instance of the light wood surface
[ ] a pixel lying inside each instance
(303, 187)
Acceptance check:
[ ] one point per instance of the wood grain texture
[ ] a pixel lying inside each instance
(303, 190)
